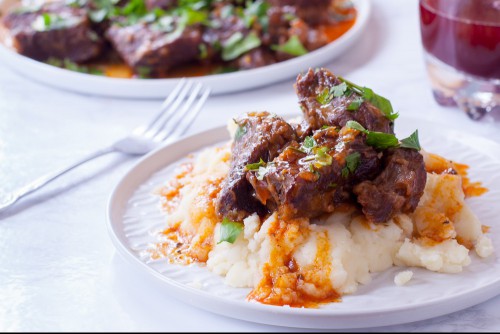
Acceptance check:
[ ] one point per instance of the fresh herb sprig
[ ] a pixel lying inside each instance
(382, 141)
(351, 164)
(229, 231)
(328, 94)
(238, 44)
(261, 167)
(378, 101)
(292, 47)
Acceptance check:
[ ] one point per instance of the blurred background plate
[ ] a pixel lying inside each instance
(158, 88)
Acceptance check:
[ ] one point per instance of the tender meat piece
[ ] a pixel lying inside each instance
(397, 189)
(260, 136)
(255, 58)
(282, 28)
(151, 51)
(302, 128)
(312, 11)
(223, 27)
(310, 184)
(53, 31)
(310, 85)
(279, 25)
(162, 4)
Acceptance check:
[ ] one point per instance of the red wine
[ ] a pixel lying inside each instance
(464, 34)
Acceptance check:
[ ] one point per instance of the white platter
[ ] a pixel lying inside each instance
(133, 212)
(159, 88)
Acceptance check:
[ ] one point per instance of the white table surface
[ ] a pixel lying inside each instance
(58, 267)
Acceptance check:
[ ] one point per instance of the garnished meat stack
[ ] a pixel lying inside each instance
(343, 153)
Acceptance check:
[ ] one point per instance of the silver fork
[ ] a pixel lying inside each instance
(176, 114)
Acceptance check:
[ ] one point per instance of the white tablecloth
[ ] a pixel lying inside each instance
(58, 267)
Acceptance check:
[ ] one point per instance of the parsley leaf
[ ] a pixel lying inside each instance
(293, 47)
(322, 157)
(229, 231)
(351, 164)
(255, 11)
(327, 95)
(338, 90)
(264, 170)
(237, 45)
(378, 101)
(324, 97)
(48, 21)
(356, 126)
(240, 131)
(412, 141)
(355, 104)
(382, 141)
(256, 165)
(308, 144)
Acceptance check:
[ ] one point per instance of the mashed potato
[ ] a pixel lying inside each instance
(300, 263)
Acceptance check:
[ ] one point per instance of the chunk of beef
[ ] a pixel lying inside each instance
(260, 135)
(224, 26)
(397, 189)
(303, 182)
(151, 51)
(311, 11)
(312, 84)
(54, 30)
(255, 58)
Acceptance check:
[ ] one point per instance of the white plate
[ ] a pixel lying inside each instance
(133, 212)
(158, 88)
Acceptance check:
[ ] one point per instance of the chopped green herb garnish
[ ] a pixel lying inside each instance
(412, 141)
(327, 95)
(47, 21)
(338, 90)
(238, 44)
(98, 15)
(324, 97)
(382, 141)
(322, 157)
(332, 185)
(264, 170)
(289, 16)
(229, 231)
(143, 72)
(292, 47)
(355, 104)
(203, 51)
(256, 165)
(226, 11)
(240, 131)
(351, 164)
(256, 11)
(356, 126)
(308, 144)
(378, 101)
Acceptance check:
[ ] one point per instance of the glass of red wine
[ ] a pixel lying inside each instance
(461, 40)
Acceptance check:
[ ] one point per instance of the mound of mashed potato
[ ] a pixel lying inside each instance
(304, 263)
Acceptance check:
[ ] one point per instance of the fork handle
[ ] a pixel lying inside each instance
(47, 178)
